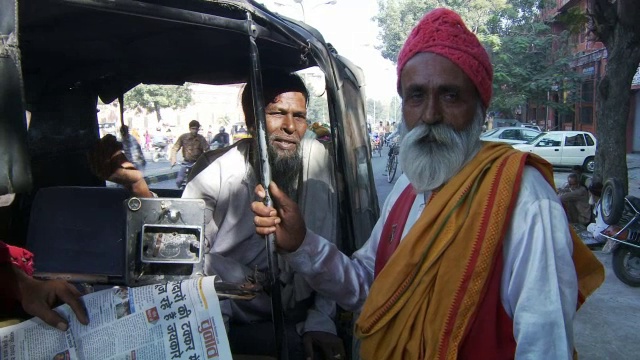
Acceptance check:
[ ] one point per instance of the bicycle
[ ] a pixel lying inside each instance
(376, 145)
(392, 162)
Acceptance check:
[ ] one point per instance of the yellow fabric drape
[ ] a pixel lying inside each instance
(421, 303)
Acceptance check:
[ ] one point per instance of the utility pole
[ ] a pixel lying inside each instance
(374, 111)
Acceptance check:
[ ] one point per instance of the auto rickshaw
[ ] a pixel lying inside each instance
(60, 56)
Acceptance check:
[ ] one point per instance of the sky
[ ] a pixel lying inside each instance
(349, 27)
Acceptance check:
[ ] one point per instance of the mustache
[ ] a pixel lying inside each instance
(425, 134)
(431, 154)
(293, 138)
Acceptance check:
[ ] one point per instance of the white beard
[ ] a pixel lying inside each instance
(430, 155)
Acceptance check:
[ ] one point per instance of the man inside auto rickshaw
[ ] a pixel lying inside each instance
(472, 255)
(302, 167)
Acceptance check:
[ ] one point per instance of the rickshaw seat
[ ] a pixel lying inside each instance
(79, 230)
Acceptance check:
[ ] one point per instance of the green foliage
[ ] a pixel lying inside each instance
(531, 62)
(529, 59)
(153, 98)
(574, 20)
(224, 120)
(396, 18)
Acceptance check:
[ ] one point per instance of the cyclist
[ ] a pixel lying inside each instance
(375, 142)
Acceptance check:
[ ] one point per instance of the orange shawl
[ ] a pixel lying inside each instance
(423, 301)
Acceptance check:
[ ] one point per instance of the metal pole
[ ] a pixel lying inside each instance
(264, 171)
(374, 112)
(546, 120)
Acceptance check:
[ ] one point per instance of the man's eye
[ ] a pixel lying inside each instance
(450, 96)
(416, 95)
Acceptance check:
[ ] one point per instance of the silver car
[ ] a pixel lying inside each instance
(510, 135)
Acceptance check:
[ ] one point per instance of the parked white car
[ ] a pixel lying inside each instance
(564, 148)
(510, 135)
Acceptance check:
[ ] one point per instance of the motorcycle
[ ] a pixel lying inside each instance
(624, 211)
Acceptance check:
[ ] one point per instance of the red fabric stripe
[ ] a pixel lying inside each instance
(479, 238)
(491, 333)
(393, 228)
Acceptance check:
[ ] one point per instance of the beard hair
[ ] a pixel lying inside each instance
(285, 168)
(430, 155)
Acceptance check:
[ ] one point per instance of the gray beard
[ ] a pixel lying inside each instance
(430, 155)
(285, 169)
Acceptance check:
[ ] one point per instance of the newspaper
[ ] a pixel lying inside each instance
(176, 320)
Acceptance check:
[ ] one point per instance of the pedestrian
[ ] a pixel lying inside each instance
(209, 134)
(583, 179)
(472, 255)
(147, 140)
(193, 145)
(131, 148)
(575, 200)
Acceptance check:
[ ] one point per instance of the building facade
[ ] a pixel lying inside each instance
(590, 62)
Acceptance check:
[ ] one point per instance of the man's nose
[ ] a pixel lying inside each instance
(288, 124)
(431, 113)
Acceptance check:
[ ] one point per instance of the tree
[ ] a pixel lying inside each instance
(396, 18)
(616, 24)
(224, 120)
(529, 62)
(153, 98)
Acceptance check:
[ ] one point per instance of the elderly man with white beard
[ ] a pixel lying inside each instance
(472, 256)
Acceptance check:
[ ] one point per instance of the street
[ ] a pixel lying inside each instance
(606, 325)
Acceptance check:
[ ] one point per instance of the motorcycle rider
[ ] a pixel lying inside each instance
(193, 145)
(159, 144)
(222, 138)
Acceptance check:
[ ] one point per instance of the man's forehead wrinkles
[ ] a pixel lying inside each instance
(433, 85)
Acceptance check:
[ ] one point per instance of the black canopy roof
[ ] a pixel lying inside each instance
(115, 45)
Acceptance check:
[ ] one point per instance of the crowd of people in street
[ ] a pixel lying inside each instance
(473, 252)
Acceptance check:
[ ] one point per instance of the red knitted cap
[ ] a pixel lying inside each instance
(443, 32)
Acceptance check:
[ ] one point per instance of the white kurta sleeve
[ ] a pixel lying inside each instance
(335, 275)
(539, 284)
(320, 317)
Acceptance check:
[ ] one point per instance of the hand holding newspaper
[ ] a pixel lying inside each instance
(176, 320)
